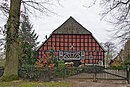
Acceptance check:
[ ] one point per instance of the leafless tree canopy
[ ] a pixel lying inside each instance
(119, 11)
(110, 47)
(29, 6)
(37, 6)
(4, 7)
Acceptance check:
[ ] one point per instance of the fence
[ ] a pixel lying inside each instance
(35, 74)
(87, 72)
(47, 74)
(99, 72)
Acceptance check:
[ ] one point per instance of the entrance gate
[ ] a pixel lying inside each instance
(98, 72)
(95, 70)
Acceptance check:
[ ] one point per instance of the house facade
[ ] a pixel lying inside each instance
(72, 42)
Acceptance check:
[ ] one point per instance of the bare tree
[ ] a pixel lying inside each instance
(4, 7)
(29, 6)
(12, 43)
(12, 9)
(110, 51)
(2, 43)
(127, 51)
(117, 12)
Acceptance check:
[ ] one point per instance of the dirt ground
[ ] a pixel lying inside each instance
(99, 83)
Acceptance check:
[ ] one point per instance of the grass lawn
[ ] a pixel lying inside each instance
(21, 83)
(35, 84)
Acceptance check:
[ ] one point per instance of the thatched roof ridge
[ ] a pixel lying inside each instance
(71, 26)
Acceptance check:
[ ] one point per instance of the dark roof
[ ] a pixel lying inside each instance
(71, 26)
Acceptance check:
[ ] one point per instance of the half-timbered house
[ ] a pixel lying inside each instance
(73, 42)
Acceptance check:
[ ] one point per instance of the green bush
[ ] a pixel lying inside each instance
(119, 67)
(60, 69)
(61, 64)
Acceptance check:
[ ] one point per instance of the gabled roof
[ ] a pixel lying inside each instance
(71, 26)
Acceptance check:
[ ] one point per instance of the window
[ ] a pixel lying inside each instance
(90, 56)
(82, 44)
(82, 40)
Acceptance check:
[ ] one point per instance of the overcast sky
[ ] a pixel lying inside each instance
(88, 17)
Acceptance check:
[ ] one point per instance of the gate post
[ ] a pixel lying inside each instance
(128, 73)
(94, 78)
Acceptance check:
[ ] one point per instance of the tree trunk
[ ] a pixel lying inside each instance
(12, 43)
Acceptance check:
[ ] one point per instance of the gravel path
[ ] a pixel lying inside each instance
(93, 84)
(101, 83)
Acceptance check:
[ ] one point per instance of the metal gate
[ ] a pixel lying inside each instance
(94, 70)
(98, 72)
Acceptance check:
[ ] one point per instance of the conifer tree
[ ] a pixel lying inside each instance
(28, 41)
